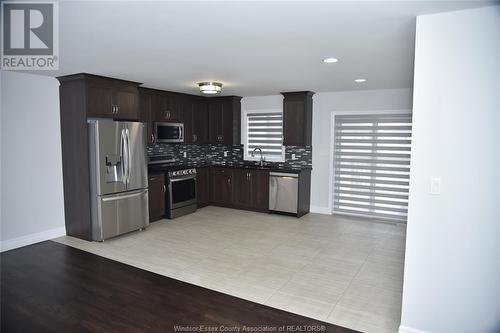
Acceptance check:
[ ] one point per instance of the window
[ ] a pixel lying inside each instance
(372, 165)
(264, 130)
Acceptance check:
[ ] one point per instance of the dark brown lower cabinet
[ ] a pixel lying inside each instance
(228, 187)
(240, 188)
(260, 190)
(203, 186)
(251, 189)
(221, 186)
(157, 189)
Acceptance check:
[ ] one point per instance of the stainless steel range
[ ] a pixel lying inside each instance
(181, 193)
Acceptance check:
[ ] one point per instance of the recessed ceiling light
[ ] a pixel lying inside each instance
(330, 60)
(210, 88)
(360, 80)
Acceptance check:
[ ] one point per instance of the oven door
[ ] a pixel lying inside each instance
(169, 132)
(182, 191)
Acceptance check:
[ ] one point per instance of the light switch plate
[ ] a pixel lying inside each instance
(435, 185)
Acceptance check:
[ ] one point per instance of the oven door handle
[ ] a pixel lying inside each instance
(181, 179)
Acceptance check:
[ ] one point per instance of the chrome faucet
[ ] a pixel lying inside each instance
(261, 162)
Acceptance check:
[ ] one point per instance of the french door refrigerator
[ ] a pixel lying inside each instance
(118, 175)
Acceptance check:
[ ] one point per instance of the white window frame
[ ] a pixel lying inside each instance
(244, 138)
(331, 193)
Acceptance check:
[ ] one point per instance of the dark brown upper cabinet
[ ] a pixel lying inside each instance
(195, 115)
(110, 98)
(224, 114)
(167, 107)
(146, 97)
(297, 118)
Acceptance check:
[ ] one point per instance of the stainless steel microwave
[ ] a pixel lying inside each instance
(169, 132)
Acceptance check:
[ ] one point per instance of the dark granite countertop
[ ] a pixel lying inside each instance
(250, 166)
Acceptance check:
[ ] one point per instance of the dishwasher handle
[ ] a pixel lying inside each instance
(283, 174)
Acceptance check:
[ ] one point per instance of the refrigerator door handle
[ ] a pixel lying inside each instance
(129, 155)
(123, 196)
(124, 156)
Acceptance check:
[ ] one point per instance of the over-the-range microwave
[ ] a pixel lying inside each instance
(169, 132)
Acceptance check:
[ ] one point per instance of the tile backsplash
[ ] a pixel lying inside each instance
(217, 154)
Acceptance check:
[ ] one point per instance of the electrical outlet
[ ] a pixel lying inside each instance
(294, 157)
(225, 154)
(435, 185)
(185, 154)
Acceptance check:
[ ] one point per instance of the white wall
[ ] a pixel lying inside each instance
(323, 105)
(31, 171)
(452, 265)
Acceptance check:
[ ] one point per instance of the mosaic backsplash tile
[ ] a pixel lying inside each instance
(217, 154)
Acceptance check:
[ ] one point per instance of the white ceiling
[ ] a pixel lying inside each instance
(253, 48)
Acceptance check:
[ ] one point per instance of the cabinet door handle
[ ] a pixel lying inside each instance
(195, 137)
(117, 108)
(152, 138)
(164, 188)
(229, 181)
(113, 108)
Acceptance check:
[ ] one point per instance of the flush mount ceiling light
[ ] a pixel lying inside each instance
(330, 60)
(360, 80)
(210, 88)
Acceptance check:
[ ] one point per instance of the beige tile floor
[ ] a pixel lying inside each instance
(346, 271)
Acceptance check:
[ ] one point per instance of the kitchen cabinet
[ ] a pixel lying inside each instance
(146, 112)
(203, 186)
(157, 189)
(224, 115)
(167, 107)
(221, 186)
(195, 115)
(110, 98)
(260, 190)
(251, 189)
(84, 96)
(297, 118)
(242, 184)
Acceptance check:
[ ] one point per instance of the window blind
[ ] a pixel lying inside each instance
(372, 165)
(265, 131)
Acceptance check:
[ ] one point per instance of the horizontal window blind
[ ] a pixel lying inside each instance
(372, 165)
(265, 131)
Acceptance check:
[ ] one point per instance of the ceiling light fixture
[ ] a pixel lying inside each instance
(210, 88)
(360, 80)
(330, 60)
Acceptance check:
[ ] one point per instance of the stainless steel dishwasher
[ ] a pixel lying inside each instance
(283, 192)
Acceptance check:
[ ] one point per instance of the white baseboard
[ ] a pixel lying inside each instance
(320, 210)
(14, 243)
(406, 329)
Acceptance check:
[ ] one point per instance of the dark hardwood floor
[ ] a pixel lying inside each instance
(50, 287)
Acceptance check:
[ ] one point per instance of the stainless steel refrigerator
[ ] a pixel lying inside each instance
(119, 179)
